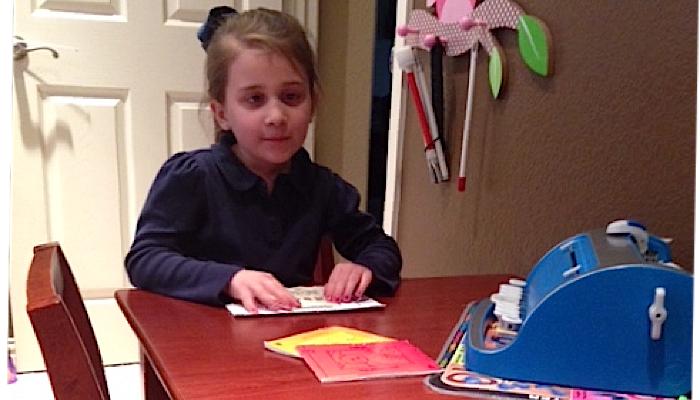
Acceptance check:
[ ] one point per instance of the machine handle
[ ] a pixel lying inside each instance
(657, 313)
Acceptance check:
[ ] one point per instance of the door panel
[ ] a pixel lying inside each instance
(88, 7)
(189, 125)
(80, 132)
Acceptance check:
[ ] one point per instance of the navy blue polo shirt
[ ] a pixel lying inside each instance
(207, 216)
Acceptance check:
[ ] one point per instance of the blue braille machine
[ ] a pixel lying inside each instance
(602, 310)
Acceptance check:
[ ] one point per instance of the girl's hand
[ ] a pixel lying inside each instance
(254, 288)
(347, 282)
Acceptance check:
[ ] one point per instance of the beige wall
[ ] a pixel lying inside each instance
(345, 47)
(610, 135)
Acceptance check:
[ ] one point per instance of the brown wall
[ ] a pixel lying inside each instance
(610, 135)
(346, 34)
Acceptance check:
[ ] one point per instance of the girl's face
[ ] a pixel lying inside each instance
(268, 106)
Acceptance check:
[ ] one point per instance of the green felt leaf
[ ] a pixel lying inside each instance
(495, 72)
(533, 41)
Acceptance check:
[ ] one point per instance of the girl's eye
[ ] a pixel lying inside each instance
(292, 98)
(255, 99)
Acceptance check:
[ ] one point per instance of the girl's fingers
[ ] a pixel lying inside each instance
(248, 301)
(286, 301)
(350, 284)
(365, 280)
(283, 297)
(336, 284)
(254, 289)
(275, 296)
(328, 288)
(347, 282)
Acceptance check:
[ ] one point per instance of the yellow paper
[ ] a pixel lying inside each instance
(330, 335)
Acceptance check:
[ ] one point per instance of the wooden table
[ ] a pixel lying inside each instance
(192, 351)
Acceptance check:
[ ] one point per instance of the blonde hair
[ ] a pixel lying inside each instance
(265, 29)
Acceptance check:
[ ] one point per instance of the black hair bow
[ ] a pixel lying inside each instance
(216, 17)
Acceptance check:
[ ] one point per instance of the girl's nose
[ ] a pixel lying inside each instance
(275, 114)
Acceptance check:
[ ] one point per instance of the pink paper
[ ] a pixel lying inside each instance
(350, 362)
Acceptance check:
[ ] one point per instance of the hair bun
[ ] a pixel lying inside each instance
(216, 17)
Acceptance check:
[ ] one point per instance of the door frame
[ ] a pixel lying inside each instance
(6, 82)
(397, 119)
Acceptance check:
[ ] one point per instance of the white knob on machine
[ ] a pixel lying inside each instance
(657, 313)
(635, 229)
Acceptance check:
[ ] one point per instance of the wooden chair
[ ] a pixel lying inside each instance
(63, 329)
(325, 261)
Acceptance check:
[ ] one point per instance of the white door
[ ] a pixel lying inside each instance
(90, 130)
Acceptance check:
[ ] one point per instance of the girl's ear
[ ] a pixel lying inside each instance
(218, 110)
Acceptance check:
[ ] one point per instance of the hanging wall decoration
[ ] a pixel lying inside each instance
(461, 26)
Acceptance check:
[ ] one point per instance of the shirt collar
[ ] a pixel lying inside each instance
(243, 179)
(236, 174)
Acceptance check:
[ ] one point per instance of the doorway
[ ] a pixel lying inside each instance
(385, 28)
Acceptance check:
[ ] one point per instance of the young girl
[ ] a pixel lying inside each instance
(244, 218)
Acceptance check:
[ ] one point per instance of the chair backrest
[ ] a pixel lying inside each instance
(63, 329)
(325, 261)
